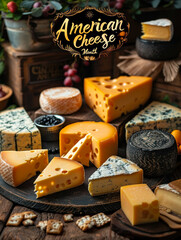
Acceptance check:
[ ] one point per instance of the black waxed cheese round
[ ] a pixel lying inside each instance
(154, 151)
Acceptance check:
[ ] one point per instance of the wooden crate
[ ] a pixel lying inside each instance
(28, 73)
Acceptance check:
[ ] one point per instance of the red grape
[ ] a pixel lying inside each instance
(75, 65)
(2, 94)
(72, 72)
(66, 67)
(68, 82)
(76, 79)
(119, 5)
(86, 63)
(37, 4)
(66, 74)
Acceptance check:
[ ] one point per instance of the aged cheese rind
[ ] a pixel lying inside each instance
(59, 175)
(18, 166)
(104, 139)
(110, 98)
(17, 131)
(154, 151)
(160, 30)
(81, 151)
(139, 204)
(113, 174)
(61, 100)
(169, 198)
(156, 115)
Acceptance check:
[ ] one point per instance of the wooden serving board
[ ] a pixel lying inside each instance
(158, 230)
(76, 200)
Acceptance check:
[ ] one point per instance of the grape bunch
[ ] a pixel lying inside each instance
(70, 73)
(2, 93)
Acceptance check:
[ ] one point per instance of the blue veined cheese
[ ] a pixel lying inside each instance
(113, 174)
(17, 131)
(156, 115)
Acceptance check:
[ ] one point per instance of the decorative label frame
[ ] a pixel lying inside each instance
(90, 33)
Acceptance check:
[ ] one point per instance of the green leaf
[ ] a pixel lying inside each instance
(56, 5)
(37, 12)
(9, 15)
(1, 67)
(155, 3)
(27, 13)
(105, 4)
(93, 4)
(27, 4)
(177, 4)
(136, 4)
(17, 17)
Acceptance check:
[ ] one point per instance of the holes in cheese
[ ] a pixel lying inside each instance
(18, 166)
(102, 139)
(120, 91)
(59, 181)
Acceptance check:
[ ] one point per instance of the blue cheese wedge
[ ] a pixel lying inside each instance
(113, 174)
(17, 131)
(156, 115)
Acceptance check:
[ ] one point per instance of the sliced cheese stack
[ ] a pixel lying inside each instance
(80, 152)
(113, 174)
(17, 131)
(18, 166)
(60, 100)
(169, 195)
(59, 175)
(160, 29)
(156, 115)
(139, 204)
(109, 99)
(104, 139)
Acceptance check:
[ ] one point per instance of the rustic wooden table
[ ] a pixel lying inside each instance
(70, 230)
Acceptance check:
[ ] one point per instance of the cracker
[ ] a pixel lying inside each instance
(15, 219)
(68, 217)
(54, 226)
(42, 225)
(29, 215)
(85, 223)
(28, 222)
(101, 219)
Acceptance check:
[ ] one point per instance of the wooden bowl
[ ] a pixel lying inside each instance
(4, 100)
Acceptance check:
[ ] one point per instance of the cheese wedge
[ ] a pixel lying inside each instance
(160, 30)
(59, 175)
(109, 99)
(104, 139)
(169, 197)
(18, 166)
(113, 174)
(81, 151)
(156, 115)
(139, 204)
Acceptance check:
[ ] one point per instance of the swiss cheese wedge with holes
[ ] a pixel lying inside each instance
(81, 151)
(18, 166)
(110, 98)
(104, 139)
(59, 175)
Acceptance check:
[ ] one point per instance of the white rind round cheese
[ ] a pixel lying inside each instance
(60, 100)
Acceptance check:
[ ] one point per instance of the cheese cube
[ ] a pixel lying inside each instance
(160, 30)
(18, 166)
(59, 175)
(104, 139)
(139, 204)
(81, 151)
(113, 174)
(109, 99)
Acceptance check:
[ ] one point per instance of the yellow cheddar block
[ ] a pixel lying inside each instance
(139, 204)
(104, 139)
(160, 30)
(59, 175)
(81, 151)
(110, 98)
(18, 166)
